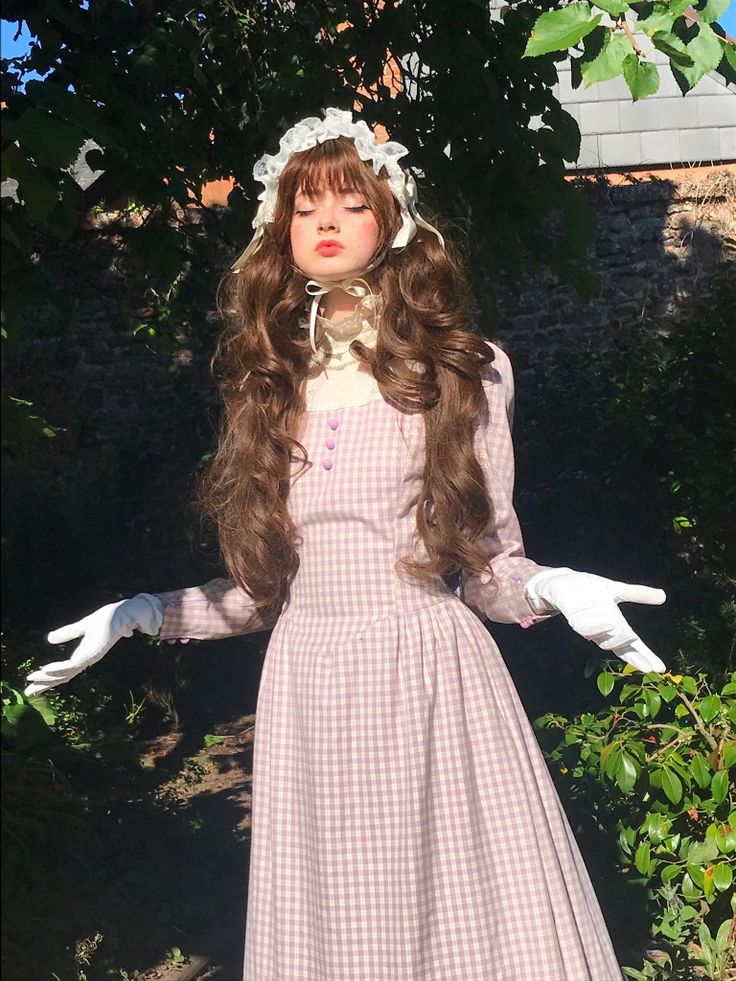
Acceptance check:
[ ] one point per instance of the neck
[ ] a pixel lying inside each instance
(337, 304)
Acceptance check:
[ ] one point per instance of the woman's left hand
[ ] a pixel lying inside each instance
(589, 603)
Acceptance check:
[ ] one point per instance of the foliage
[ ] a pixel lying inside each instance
(653, 766)
(649, 477)
(611, 50)
(176, 96)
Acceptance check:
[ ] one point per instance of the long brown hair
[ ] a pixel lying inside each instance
(426, 360)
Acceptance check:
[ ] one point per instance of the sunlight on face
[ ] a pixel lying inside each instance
(343, 218)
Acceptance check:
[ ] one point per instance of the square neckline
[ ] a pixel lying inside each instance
(341, 408)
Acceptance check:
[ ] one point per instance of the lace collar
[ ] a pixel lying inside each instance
(361, 324)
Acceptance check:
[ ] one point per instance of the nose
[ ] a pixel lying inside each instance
(327, 218)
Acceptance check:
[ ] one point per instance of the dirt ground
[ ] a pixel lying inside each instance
(217, 783)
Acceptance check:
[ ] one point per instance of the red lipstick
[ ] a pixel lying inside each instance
(328, 247)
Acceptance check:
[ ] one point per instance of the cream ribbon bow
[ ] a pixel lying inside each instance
(319, 288)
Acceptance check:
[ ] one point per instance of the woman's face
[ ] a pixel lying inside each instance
(341, 218)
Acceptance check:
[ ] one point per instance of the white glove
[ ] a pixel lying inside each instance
(99, 631)
(589, 603)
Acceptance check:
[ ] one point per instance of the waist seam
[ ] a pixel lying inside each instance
(368, 619)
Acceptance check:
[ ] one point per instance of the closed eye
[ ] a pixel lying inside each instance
(358, 208)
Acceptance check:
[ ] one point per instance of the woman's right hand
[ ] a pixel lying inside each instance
(99, 632)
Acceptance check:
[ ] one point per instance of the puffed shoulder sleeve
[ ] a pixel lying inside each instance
(215, 610)
(501, 599)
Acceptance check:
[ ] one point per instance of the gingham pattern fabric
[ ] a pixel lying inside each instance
(405, 825)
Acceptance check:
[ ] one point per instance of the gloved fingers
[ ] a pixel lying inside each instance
(594, 623)
(626, 592)
(40, 681)
(35, 689)
(71, 631)
(641, 657)
(57, 669)
(619, 636)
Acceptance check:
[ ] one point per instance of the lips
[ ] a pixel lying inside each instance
(329, 247)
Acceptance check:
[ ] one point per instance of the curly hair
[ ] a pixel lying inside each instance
(427, 359)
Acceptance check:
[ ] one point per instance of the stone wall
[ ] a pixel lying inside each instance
(655, 244)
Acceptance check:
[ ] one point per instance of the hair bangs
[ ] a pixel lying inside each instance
(335, 166)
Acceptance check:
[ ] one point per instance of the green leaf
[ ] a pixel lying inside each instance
(688, 685)
(712, 10)
(696, 873)
(701, 771)
(654, 702)
(608, 63)
(708, 887)
(605, 682)
(671, 785)
(626, 773)
(559, 30)
(729, 755)
(68, 105)
(689, 890)
(662, 16)
(722, 876)
(725, 838)
(704, 936)
(719, 786)
(705, 50)
(722, 936)
(612, 7)
(643, 857)
(702, 852)
(641, 77)
(671, 45)
(670, 872)
(729, 52)
(612, 763)
(668, 692)
(709, 707)
(729, 689)
(38, 195)
(48, 139)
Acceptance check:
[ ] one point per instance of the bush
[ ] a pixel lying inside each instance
(653, 768)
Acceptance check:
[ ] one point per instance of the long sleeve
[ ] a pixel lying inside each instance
(502, 599)
(215, 610)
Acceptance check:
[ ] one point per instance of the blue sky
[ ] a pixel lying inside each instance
(10, 48)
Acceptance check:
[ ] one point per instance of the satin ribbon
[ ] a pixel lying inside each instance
(319, 288)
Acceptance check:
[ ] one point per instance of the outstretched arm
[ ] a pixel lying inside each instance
(521, 590)
(215, 610)
(499, 595)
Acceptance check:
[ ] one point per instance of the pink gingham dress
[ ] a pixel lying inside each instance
(405, 825)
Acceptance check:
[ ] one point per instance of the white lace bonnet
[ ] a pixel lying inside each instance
(313, 130)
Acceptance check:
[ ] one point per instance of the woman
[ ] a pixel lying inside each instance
(405, 825)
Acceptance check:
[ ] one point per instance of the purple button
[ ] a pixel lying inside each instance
(526, 622)
(330, 443)
(327, 463)
(333, 423)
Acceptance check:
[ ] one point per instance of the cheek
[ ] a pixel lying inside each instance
(369, 231)
(298, 235)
